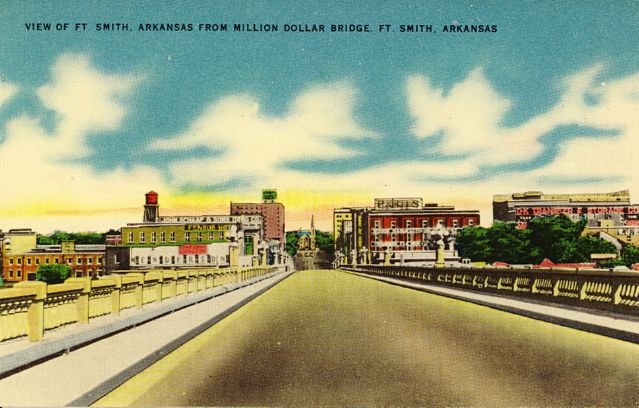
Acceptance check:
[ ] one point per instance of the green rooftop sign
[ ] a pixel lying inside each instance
(270, 194)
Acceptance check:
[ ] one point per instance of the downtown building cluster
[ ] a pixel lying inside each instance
(404, 230)
(252, 234)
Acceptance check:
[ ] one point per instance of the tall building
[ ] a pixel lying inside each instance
(599, 209)
(402, 229)
(272, 214)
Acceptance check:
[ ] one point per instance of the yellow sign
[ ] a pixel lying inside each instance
(207, 227)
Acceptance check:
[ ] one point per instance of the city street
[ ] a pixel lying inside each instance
(332, 338)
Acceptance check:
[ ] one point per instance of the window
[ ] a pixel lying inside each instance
(154, 237)
(211, 236)
(89, 261)
(377, 224)
(28, 261)
(46, 260)
(142, 238)
(408, 223)
(172, 236)
(79, 261)
(19, 261)
(131, 237)
(18, 273)
(424, 223)
(187, 236)
(199, 237)
(37, 261)
(393, 224)
(455, 223)
(10, 273)
(471, 223)
(162, 236)
(99, 260)
(78, 273)
(10, 261)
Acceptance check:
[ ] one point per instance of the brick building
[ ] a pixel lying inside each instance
(21, 256)
(405, 229)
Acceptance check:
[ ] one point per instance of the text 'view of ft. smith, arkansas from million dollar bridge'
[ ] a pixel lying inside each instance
(255, 203)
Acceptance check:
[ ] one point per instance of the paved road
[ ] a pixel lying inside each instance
(331, 338)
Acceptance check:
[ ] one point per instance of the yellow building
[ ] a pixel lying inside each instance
(340, 216)
(17, 241)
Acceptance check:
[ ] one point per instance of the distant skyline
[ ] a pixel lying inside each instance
(91, 120)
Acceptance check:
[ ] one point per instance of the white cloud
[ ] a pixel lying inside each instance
(85, 99)
(470, 116)
(7, 91)
(253, 144)
(41, 188)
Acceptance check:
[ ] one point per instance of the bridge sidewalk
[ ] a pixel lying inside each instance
(611, 325)
(83, 375)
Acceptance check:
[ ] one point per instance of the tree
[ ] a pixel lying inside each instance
(555, 238)
(508, 243)
(630, 255)
(325, 242)
(291, 242)
(82, 238)
(52, 274)
(586, 246)
(473, 243)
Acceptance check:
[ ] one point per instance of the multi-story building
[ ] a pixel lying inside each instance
(401, 229)
(272, 214)
(21, 256)
(187, 241)
(599, 209)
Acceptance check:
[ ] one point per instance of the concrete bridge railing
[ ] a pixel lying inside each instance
(610, 290)
(31, 308)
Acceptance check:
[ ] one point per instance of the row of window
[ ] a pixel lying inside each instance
(36, 261)
(178, 260)
(425, 223)
(199, 237)
(78, 273)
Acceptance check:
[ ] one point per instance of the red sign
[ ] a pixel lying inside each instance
(193, 249)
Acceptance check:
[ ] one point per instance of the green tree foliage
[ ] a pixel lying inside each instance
(52, 274)
(291, 242)
(473, 243)
(556, 238)
(508, 243)
(630, 255)
(585, 246)
(82, 238)
(325, 242)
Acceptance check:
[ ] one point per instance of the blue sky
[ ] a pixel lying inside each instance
(550, 101)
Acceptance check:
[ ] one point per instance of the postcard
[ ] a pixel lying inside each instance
(116, 114)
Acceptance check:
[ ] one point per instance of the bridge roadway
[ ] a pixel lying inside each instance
(333, 338)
